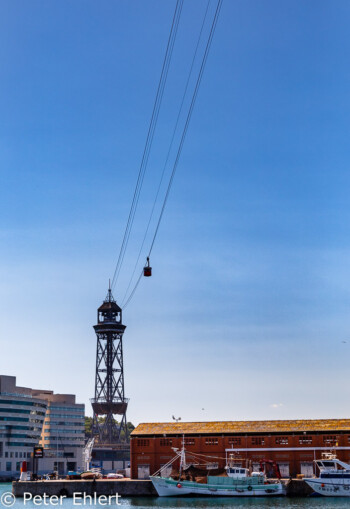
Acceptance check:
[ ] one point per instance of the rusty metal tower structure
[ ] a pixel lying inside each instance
(109, 397)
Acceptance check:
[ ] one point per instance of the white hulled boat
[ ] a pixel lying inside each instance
(334, 478)
(234, 482)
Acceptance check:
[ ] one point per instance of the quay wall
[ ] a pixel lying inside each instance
(138, 488)
(125, 488)
(298, 488)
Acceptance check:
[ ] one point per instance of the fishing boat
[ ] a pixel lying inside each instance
(232, 481)
(334, 477)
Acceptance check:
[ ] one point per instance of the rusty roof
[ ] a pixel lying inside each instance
(161, 428)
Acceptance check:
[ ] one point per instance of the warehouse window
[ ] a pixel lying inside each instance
(330, 440)
(258, 441)
(305, 440)
(281, 440)
(234, 440)
(211, 441)
(166, 442)
(142, 442)
(190, 441)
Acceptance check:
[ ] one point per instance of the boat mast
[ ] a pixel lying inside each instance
(182, 457)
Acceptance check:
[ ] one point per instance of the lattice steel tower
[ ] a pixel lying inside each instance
(109, 397)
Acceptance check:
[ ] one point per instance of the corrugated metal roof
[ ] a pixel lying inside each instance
(160, 428)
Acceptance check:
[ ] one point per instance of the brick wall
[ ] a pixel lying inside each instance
(292, 449)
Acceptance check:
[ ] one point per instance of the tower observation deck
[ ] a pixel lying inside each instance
(109, 397)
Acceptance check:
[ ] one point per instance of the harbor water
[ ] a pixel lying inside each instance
(192, 503)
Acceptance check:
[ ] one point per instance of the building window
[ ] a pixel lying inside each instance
(330, 440)
(234, 440)
(281, 440)
(211, 441)
(18, 466)
(8, 466)
(142, 442)
(190, 441)
(166, 442)
(1, 449)
(258, 441)
(305, 440)
(6, 454)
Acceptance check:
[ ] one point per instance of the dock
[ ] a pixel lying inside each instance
(298, 488)
(124, 488)
(98, 487)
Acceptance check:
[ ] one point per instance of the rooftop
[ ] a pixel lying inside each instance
(161, 428)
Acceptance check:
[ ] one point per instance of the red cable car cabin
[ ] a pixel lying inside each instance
(147, 270)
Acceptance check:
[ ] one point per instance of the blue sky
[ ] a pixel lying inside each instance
(247, 310)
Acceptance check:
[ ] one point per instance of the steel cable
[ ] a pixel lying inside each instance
(149, 139)
(194, 96)
(169, 151)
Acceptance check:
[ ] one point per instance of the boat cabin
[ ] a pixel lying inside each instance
(330, 466)
(236, 472)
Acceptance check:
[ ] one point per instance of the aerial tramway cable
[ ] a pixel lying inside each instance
(168, 154)
(205, 56)
(184, 132)
(149, 139)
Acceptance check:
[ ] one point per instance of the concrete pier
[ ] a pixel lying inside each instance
(125, 488)
(298, 488)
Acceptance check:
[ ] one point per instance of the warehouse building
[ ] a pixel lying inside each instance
(293, 445)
